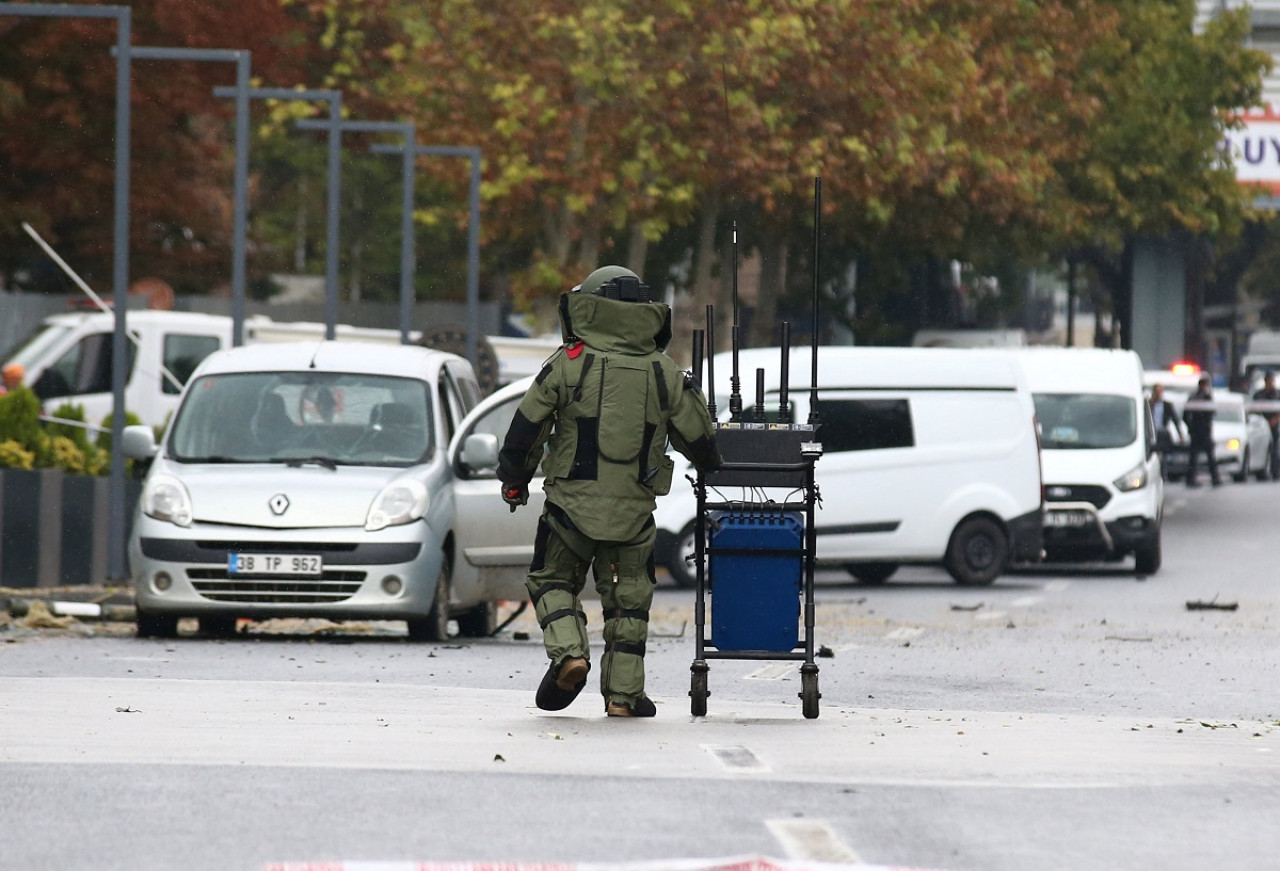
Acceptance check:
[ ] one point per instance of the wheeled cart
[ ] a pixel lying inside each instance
(754, 556)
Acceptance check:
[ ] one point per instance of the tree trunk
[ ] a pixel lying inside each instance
(637, 249)
(705, 289)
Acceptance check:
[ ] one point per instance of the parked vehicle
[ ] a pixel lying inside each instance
(1104, 493)
(929, 456)
(1241, 439)
(69, 357)
(314, 479)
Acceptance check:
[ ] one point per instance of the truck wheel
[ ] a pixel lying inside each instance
(435, 626)
(978, 551)
(871, 573)
(683, 571)
(157, 626)
(1146, 560)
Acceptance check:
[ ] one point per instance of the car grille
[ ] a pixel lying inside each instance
(1092, 493)
(331, 586)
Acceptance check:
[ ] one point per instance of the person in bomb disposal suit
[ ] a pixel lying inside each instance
(1200, 429)
(605, 403)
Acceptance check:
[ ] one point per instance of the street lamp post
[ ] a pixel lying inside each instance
(406, 129)
(123, 15)
(473, 231)
(241, 58)
(334, 98)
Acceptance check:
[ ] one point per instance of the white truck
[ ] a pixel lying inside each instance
(68, 358)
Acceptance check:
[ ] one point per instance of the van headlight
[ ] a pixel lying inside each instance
(1134, 479)
(399, 502)
(166, 498)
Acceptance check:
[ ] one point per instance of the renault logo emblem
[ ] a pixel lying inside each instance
(279, 504)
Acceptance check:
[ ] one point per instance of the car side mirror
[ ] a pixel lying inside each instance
(138, 443)
(480, 451)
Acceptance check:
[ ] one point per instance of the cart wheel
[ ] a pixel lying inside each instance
(809, 694)
(698, 692)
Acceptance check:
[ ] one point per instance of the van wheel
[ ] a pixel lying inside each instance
(683, 571)
(480, 621)
(1146, 560)
(435, 626)
(871, 573)
(978, 551)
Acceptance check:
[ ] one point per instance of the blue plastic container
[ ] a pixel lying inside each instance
(756, 585)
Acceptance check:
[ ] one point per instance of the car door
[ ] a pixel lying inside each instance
(494, 545)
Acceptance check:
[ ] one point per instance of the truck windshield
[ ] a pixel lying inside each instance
(32, 348)
(319, 417)
(1086, 421)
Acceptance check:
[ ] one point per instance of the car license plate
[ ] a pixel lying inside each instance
(274, 564)
(1066, 519)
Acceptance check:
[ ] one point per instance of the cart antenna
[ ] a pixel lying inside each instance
(817, 232)
(711, 362)
(784, 416)
(699, 336)
(735, 386)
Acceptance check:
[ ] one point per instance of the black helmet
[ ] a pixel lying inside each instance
(615, 282)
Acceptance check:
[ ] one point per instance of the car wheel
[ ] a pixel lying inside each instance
(217, 627)
(1243, 475)
(435, 626)
(1146, 559)
(977, 552)
(682, 570)
(157, 626)
(480, 621)
(871, 573)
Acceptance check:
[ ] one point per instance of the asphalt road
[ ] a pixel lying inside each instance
(1064, 718)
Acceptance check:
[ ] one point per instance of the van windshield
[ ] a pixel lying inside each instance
(328, 418)
(1086, 421)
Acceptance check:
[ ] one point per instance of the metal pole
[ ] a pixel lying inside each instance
(334, 99)
(408, 186)
(239, 232)
(117, 525)
(123, 15)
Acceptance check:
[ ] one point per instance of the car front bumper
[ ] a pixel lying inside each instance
(390, 574)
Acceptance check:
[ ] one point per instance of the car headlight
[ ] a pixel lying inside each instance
(399, 502)
(1233, 444)
(166, 498)
(1134, 479)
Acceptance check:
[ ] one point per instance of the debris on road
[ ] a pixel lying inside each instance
(1212, 605)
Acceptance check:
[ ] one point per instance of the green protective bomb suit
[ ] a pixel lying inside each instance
(605, 404)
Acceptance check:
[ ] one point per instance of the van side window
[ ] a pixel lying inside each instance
(865, 424)
(84, 368)
(182, 354)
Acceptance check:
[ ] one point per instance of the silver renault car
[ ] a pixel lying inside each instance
(305, 479)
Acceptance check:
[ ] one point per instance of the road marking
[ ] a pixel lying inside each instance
(905, 633)
(1057, 586)
(776, 671)
(1024, 602)
(735, 757)
(811, 840)
(990, 615)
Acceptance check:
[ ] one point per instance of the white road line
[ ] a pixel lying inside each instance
(735, 757)
(812, 841)
(775, 671)
(1057, 586)
(990, 615)
(1024, 602)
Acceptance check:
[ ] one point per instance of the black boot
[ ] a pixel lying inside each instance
(561, 686)
(641, 707)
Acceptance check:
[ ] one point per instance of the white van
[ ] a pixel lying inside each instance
(929, 456)
(1104, 493)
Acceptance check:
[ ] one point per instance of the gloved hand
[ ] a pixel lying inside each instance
(515, 495)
